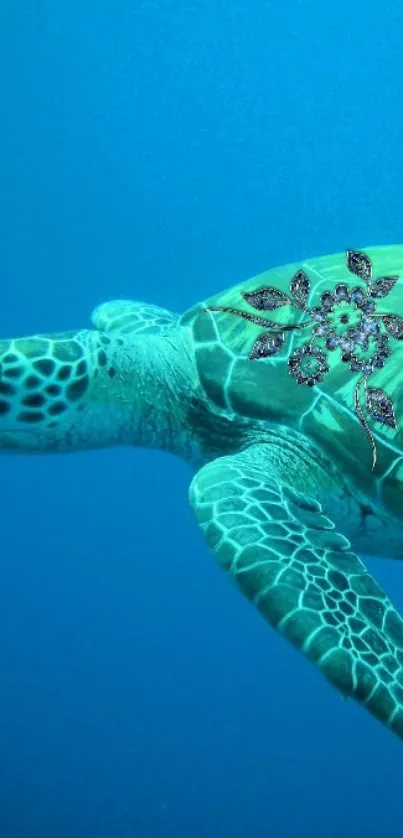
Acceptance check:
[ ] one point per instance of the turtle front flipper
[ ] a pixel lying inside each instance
(259, 513)
(59, 392)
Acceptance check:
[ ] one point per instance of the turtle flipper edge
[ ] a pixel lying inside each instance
(286, 557)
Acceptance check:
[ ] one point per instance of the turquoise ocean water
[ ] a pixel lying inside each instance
(162, 151)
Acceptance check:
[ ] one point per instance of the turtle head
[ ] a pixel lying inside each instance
(88, 389)
(58, 392)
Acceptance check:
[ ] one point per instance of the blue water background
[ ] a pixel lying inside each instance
(163, 151)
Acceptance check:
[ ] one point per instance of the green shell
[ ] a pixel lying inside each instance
(329, 411)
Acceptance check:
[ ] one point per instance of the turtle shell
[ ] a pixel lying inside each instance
(317, 346)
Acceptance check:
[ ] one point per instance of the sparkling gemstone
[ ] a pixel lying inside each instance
(367, 367)
(357, 295)
(368, 307)
(327, 299)
(318, 313)
(332, 342)
(356, 365)
(379, 362)
(342, 293)
(362, 339)
(370, 327)
(317, 353)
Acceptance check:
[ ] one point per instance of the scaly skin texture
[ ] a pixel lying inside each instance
(91, 389)
(284, 493)
(259, 513)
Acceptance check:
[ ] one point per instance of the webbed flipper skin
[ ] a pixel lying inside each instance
(260, 514)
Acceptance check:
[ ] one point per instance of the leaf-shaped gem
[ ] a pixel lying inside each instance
(266, 299)
(380, 406)
(382, 286)
(394, 325)
(359, 264)
(300, 287)
(266, 345)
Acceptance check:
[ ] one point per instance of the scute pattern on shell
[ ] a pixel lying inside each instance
(359, 333)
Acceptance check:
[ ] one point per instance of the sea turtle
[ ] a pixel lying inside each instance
(284, 394)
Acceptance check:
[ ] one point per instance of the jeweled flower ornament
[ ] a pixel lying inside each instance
(345, 321)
